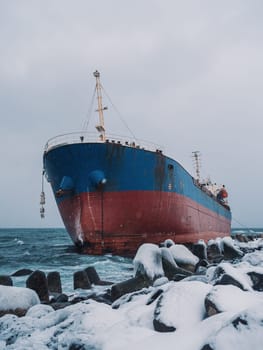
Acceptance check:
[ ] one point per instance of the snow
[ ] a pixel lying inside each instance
(228, 241)
(148, 261)
(231, 298)
(12, 298)
(233, 270)
(167, 255)
(183, 255)
(129, 322)
(183, 304)
(255, 258)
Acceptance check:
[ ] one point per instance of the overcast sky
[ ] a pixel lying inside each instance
(185, 74)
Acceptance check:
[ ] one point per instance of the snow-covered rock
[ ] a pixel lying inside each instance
(255, 258)
(230, 249)
(242, 331)
(230, 298)
(182, 305)
(226, 273)
(16, 300)
(183, 256)
(200, 249)
(148, 261)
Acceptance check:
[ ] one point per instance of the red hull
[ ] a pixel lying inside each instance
(119, 222)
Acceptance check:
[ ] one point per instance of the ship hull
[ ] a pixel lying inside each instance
(113, 198)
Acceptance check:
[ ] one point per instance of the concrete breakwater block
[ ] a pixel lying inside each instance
(6, 280)
(81, 280)
(54, 282)
(94, 277)
(38, 282)
(129, 286)
(22, 272)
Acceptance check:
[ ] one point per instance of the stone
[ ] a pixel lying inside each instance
(228, 279)
(129, 286)
(207, 347)
(257, 280)
(199, 249)
(173, 307)
(201, 266)
(154, 296)
(170, 270)
(38, 282)
(230, 251)
(81, 280)
(211, 308)
(6, 281)
(58, 306)
(22, 272)
(59, 298)
(214, 253)
(94, 277)
(54, 282)
(19, 312)
(16, 300)
(241, 238)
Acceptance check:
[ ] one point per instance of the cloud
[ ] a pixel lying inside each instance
(191, 69)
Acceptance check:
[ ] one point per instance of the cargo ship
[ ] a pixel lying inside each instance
(115, 193)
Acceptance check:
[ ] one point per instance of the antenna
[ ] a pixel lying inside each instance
(197, 164)
(101, 126)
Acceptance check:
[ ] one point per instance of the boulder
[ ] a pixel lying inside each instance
(183, 257)
(6, 280)
(241, 237)
(129, 286)
(180, 306)
(59, 298)
(168, 243)
(243, 330)
(148, 262)
(231, 251)
(54, 282)
(207, 347)
(171, 269)
(81, 280)
(16, 300)
(94, 277)
(38, 282)
(257, 280)
(214, 253)
(22, 272)
(201, 266)
(226, 279)
(58, 306)
(228, 298)
(200, 250)
(226, 273)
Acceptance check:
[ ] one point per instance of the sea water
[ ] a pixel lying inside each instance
(52, 250)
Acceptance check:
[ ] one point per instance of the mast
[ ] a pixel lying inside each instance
(101, 126)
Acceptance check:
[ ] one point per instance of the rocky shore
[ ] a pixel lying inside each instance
(203, 297)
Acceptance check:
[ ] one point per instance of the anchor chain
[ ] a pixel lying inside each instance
(42, 198)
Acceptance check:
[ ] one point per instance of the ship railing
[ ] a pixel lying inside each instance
(88, 137)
